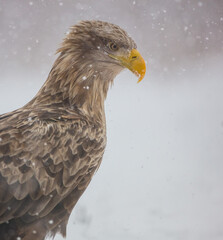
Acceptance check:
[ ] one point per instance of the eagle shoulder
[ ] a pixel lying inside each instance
(44, 158)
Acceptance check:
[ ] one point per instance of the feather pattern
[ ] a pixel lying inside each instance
(43, 158)
(51, 147)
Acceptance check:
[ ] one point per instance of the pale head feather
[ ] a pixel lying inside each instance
(83, 71)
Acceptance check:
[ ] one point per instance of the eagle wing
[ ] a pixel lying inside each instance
(44, 157)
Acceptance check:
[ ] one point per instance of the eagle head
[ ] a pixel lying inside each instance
(91, 55)
(104, 46)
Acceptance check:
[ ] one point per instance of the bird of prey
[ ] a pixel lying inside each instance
(51, 148)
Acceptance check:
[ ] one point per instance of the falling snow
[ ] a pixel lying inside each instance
(179, 105)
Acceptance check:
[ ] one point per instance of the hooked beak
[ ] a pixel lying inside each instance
(134, 62)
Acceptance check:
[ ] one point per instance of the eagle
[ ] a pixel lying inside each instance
(51, 147)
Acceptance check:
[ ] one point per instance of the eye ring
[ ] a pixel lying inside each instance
(113, 46)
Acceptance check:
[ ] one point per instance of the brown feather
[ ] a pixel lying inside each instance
(51, 147)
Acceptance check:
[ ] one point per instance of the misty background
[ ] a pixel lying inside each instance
(162, 173)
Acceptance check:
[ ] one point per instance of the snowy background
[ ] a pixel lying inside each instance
(162, 173)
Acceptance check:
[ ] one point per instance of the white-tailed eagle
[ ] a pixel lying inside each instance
(51, 147)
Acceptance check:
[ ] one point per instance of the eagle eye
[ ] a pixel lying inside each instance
(113, 46)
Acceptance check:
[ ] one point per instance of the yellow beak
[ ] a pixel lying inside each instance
(135, 63)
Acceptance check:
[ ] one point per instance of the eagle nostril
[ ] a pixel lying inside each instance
(133, 57)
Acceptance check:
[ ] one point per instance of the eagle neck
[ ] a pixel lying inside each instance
(76, 84)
